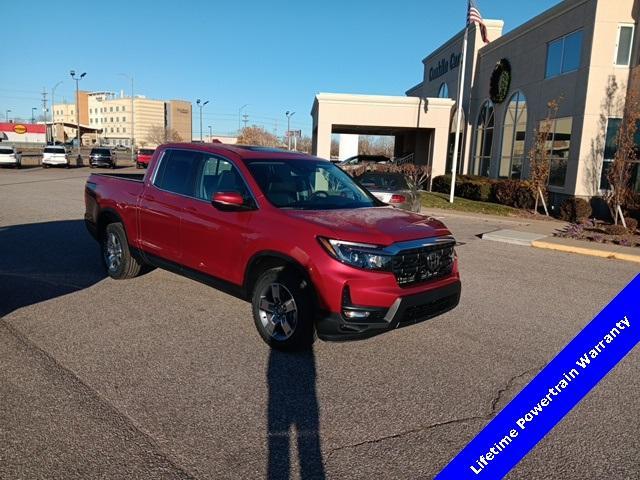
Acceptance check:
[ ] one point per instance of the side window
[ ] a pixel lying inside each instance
(220, 175)
(177, 171)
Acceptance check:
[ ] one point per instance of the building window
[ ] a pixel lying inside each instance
(123, 108)
(624, 45)
(452, 140)
(558, 147)
(610, 151)
(563, 54)
(513, 137)
(124, 129)
(117, 108)
(111, 129)
(484, 140)
(443, 91)
(118, 129)
(111, 119)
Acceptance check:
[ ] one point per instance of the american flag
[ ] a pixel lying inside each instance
(474, 16)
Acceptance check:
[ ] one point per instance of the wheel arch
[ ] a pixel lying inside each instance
(266, 260)
(105, 217)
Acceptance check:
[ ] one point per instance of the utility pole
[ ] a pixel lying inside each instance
(201, 105)
(210, 134)
(53, 113)
(6, 115)
(133, 159)
(77, 79)
(44, 112)
(240, 115)
(289, 115)
(33, 114)
(245, 119)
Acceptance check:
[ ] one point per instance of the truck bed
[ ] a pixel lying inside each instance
(134, 177)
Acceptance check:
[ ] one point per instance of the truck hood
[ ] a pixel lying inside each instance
(377, 225)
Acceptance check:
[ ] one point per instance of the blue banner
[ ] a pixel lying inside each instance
(553, 392)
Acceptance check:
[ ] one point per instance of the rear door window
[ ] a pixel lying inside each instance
(177, 171)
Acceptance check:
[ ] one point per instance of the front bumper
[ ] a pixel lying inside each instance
(405, 310)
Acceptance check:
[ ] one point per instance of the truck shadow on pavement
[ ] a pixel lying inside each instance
(293, 405)
(41, 261)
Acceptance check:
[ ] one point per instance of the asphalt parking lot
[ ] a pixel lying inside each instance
(162, 377)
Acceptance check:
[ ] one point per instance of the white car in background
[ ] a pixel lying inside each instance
(10, 156)
(55, 155)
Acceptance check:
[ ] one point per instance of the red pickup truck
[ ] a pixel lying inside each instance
(312, 250)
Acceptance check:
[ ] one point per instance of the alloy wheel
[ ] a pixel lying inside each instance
(113, 252)
(278, 311)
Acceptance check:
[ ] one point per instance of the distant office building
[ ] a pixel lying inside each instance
(582, 52)
(110, 119)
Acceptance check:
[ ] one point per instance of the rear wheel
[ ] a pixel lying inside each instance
(116, 256)
(282, 304)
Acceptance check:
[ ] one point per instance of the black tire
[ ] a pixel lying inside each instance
(128, 266)
(301, 325)
(138, 165)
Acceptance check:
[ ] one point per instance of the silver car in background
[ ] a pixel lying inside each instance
(391, 188)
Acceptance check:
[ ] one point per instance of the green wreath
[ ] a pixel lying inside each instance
(500, 81)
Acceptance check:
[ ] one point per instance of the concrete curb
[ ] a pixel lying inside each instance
(601, 252)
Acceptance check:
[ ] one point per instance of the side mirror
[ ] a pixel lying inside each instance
(228, 201)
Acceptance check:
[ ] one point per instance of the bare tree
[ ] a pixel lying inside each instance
(158, 135)
(540, 154)
(304, 144)
(619, 174)
(376, 145)
(335, 148)
(255, 135)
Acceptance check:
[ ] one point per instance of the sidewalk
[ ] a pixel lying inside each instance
(539, 234)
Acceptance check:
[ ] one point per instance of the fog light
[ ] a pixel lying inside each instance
(355, 314)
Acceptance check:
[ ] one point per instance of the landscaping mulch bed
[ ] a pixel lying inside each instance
(600, 232)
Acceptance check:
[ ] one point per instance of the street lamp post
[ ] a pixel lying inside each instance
(53, 110)
(201, 105)
(210, 134)
(240, 115)
(33, 114)
(6, 115)
(77, 79)
(289, 115)
(132, 118)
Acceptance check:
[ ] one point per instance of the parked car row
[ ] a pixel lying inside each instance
(61, 155)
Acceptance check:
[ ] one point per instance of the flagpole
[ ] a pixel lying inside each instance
(456, 143)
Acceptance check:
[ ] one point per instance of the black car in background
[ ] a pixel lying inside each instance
(102, 157)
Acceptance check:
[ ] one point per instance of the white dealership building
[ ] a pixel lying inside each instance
(584, 53)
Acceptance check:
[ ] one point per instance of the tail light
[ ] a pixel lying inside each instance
(397, 199)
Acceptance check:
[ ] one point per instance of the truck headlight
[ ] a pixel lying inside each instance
(359, 255)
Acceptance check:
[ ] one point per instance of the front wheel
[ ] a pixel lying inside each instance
(116, 256)
(282, 304)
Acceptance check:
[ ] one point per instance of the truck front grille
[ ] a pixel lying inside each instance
(422, 264)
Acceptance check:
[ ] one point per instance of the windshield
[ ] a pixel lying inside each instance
(308, 185)
(145, 152)
(102, 151)
(5, 151)
(383, 181)
(54, 150)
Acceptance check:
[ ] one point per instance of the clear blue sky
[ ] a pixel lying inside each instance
(274, 55)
